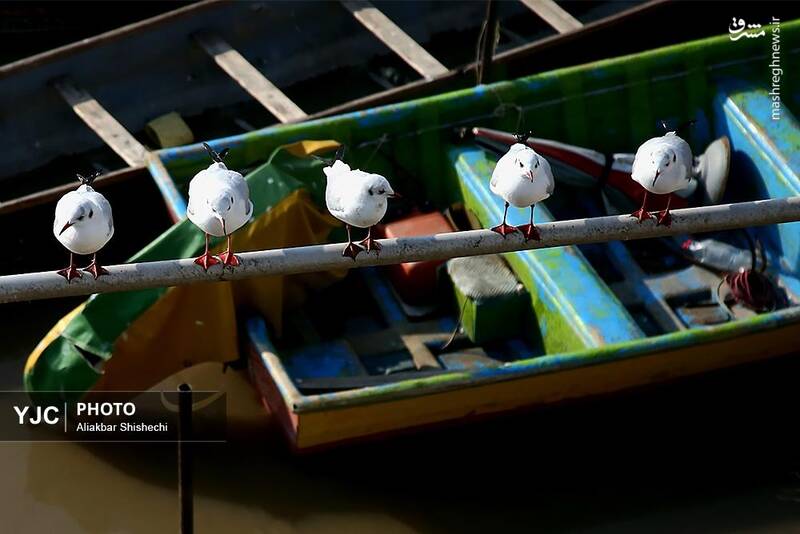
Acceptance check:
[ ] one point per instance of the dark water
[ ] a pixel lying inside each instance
(717, 453)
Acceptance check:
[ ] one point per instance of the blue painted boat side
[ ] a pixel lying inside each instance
(176, 204)
(766, 153)
(561, 277)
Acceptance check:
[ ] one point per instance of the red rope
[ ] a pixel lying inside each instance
(752, 289)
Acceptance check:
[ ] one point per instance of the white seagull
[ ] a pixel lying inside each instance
(83, 224)
(356, 198)
(662, 165)
(522, 178)
(219, 204)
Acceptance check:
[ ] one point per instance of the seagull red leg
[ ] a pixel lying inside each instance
(665, 217)
(351, 250)
(229, 259)
(529, 230)
(70, 272)
(94, 269)
(206, 260)
(642, 214)
(504, 229)
(370, 244)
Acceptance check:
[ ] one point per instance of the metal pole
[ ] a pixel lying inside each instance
(185, 489)
(314, 258)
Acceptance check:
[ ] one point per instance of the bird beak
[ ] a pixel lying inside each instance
(222, 222)
(395, 195)
(658, 172)
(529, 174)
(65, 227)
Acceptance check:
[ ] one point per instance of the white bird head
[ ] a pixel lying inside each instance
(378, 186)
(75, 215)
(522, 160)
(660, 163)
(220, 205)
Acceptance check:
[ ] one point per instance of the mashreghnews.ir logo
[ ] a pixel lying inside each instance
(739, 29)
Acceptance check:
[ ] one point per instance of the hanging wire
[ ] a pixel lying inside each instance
(382, 139)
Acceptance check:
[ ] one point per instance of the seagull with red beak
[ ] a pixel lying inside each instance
(522, 178)
(83, 224)
(219, 204)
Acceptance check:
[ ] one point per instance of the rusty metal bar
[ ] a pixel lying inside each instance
(313, 258)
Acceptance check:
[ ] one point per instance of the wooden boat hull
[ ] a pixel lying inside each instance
(392, 410)
(169, 73)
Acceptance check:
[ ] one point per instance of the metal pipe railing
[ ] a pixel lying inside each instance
(305, 259)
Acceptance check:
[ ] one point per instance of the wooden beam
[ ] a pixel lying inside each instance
(54, 193)
(251, 80)
(104, 125)
(554, 15)
(395, 38)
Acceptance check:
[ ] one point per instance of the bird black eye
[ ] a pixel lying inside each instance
(673, 157)
(520, 164)
(667, 165)
(381, 191)
(91, 213)
(231, 200)
(370, 192)
(80, 218)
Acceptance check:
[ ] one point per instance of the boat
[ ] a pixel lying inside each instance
(341, 358)
(204, 71)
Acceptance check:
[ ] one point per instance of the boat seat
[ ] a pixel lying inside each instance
(574, 308)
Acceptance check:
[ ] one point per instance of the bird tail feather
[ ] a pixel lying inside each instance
(337, 168)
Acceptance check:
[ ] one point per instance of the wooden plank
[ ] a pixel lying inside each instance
(395, 38)
(47, 196)
(251, 80)
(554, 15)
(104, 125)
